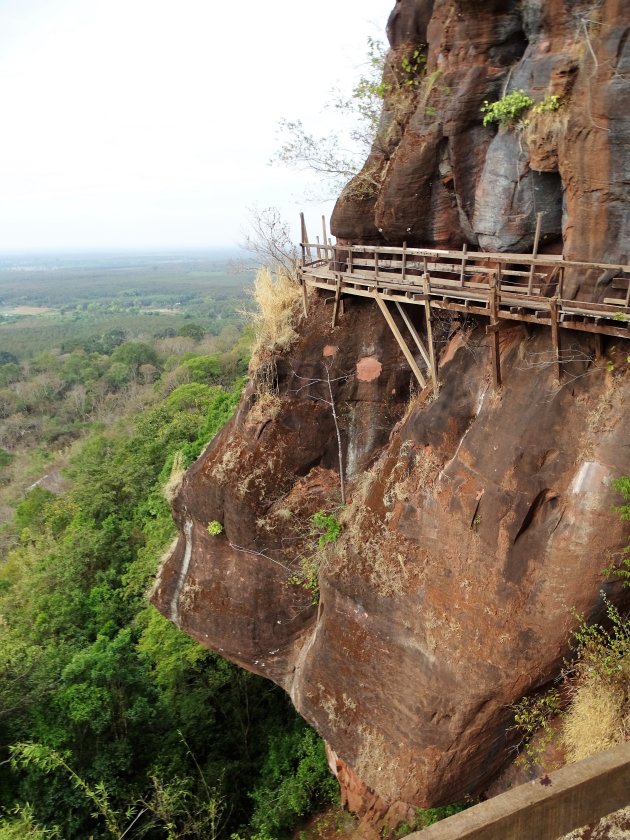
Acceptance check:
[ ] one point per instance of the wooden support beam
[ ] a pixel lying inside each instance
(539, 218)
(337, 299)
(555, 339)
(414, 334)
(398, 336)
(350, 260)
(494, 342)
(429, 324)
(404, 263)
(324, 236)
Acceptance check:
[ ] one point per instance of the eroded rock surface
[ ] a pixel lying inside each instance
(445, 179)
(485, 518)
(477, 520)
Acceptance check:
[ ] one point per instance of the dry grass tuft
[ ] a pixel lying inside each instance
(171, 488)
(597, 719)
(278, 301)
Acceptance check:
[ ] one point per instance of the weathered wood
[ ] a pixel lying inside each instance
(399, 338)
(404, 262)
(539, 218)
(324, 233)
(462, 273)
(576, 795)
(306, 254)
(495, 349)
(414, 334)
(429, 324)
(555, 340)
(337, 299)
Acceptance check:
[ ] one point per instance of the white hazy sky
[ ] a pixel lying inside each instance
(150, 123)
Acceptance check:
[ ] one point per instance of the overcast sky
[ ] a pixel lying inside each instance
(150, 123)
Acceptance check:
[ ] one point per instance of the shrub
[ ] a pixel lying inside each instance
(513, 105)
(506, 110)
(215, 528)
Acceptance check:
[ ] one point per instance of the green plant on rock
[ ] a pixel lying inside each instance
(549, 103)
(327, 528)
(424, 817)
(507, 109)
(532, 717)
(215, 528)
(512, 108)
(413, 66)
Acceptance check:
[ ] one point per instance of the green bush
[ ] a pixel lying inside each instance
(506, 110)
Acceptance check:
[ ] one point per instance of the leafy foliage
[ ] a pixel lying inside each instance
(507, 109)
(115, 716)
(510, 108)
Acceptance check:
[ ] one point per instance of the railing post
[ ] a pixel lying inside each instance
(350, 255)
(305, 249)
(427, 315)
(404, 262)
(375, 264)
(555, 339)
(539, 218)
(463, 269)
(325, 238)
(493, 329)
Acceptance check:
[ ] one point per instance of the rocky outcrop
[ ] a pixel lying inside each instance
(477, 519)
(484, 520)
(440, 178)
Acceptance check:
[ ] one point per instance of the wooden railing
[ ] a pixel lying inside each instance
(527, 287)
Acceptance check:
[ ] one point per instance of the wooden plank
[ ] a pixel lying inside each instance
(398, 336)
(574, 796)
(414, 334)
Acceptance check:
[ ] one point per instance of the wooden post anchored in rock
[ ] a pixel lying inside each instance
(429, 323)
(337, 299)
(555, 340)
(539, 218)
(493, 330)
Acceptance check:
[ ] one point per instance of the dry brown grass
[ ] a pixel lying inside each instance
(597, 719)
(278, 301)
(171, 488)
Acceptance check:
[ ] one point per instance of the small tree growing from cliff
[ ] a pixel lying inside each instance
(329, 400)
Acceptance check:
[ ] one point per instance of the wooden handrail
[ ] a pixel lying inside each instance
(551, 260)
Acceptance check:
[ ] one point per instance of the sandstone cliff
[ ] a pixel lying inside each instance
(476, 520)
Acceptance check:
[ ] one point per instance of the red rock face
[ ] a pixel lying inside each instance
(484, 519)
(445, 179)
(476, 520)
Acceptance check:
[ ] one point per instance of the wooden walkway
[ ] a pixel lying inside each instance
(497, 286)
